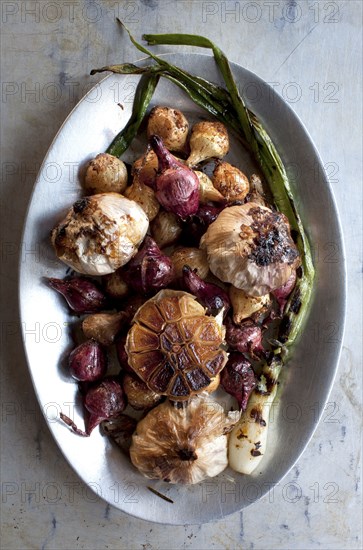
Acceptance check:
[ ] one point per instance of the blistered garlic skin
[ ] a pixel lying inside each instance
(208, 140)
(244, 305)
(247, 441)
(100, 233)
(171, 125)
(207, 191)
(105, 174)
(144, 196)
(230, 182)
(183, 445)
(250, 246)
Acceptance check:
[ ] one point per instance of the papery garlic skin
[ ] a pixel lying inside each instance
(251, 247)
(183, 445)
(100, 233)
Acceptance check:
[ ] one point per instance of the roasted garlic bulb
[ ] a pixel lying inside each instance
(251, 247)
(105, 174)
(174, 347)
(208, 140)
(183, 445)
(100, 233)
(169, 124)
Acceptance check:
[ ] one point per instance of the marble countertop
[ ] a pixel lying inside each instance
(310, 51)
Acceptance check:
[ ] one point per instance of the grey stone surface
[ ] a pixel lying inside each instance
(310, 51)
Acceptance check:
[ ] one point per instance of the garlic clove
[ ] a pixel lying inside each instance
(104, 327)
(100, 233)
(166, 229)
(144, 196)
(230, 182)
(193, 445)
(207, 191)
(195, 258)
(105, 174)
(115, 285)
(139, 396)
(245, 306)
(171, 125)
(146, 168)
(208, 140)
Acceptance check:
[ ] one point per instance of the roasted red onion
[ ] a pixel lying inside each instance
(88, 362)
(81, 294)
(211, 296)
(282, 294)
(238, 378)
(150, 269)
(246, 337)
(104, 401)
(176, 185)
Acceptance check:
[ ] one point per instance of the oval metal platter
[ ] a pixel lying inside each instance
(46, 322)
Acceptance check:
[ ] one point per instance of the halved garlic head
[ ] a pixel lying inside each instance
(183, 445)
(100, 233)
(251, 247)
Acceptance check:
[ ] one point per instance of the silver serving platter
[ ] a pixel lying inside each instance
(46, 322)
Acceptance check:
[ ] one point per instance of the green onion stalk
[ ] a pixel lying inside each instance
(227, 105)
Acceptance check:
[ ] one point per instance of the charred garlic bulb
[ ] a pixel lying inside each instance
(100, 233)
(183, 445)
(231, 182)
(171, 125)
(251, 247)
(208, 140)
(105, 174)
(207, 191)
